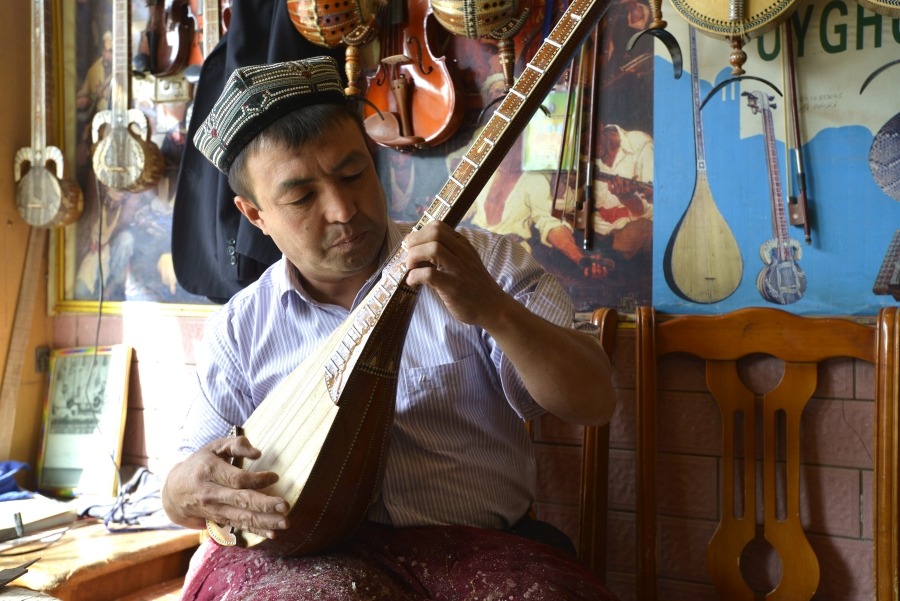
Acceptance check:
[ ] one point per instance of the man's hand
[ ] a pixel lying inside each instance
(206, 486)
(442, 258)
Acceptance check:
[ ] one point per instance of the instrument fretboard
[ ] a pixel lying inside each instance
(483, 157)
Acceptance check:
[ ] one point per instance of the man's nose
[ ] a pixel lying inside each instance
(340, 207)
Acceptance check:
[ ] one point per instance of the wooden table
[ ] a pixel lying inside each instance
(90, 563)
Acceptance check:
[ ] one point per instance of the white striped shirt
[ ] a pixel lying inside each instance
(459, 453)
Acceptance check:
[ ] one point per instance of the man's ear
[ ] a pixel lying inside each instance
(251, 212)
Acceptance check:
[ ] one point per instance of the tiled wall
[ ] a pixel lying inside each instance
(836, 477)
(836, 452)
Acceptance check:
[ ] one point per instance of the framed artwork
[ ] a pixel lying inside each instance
(84, 420)
(119, 250)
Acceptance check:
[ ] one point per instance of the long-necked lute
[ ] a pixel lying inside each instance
(124, 157)
(44, 196)
(325, 428)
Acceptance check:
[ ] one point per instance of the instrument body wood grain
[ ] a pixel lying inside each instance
(703, 257)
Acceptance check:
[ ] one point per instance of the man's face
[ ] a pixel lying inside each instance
(322, 204)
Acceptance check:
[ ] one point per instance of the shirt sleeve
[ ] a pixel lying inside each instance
(218, 386)
(521, 276)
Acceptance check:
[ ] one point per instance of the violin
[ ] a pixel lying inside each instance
(167, 40)
(410, 99)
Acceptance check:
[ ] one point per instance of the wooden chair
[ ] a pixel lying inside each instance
(593, 491)
(800, 343)
(595, 468)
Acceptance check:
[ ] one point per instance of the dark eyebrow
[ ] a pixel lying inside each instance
(289, 184)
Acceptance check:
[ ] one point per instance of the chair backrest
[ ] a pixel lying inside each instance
(595, 468)
(801, 343)
(592, 488)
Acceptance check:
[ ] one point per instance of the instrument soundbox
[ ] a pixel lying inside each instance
(325, 428)
(703, 262)
(888, 8)
(124, 158)
(43, 196)
(734, 20)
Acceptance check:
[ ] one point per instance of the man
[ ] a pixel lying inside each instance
(459, 478)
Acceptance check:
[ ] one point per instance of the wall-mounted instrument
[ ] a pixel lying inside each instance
(888, 279)
(124, 157)
(411, 99)
(888, 8)
(500, 20)
(884, 154)
(781, 281)
(43, 196)
(702, 262)
(331, 24)
(167, 39)
(325, 428)
(214, 26)
(734, 20)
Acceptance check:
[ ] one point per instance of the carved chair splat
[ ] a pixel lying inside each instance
(801, 343)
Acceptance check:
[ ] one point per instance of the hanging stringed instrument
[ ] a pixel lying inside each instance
(411, 100)
(331, 24)
(734, 20)
(325, 429)
(167, 40)
(500, 20)
(124, 158)
(781, 281)
(703, 262)
(888, 8)
(43, 196)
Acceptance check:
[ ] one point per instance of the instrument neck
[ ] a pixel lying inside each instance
(121, 61)
(210, 25)
(39, 56)
(699, 148)
(779, 219)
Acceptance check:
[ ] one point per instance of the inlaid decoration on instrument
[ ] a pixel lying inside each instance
(781, 281)
(45, 197)
(734, 20)
(124, 157)
(884, 154)
(327, 424)
(703, 263)
(500, 20)
(333, 24)
(888, 8)
(888, 279)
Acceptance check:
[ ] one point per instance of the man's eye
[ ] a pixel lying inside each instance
(353, 177)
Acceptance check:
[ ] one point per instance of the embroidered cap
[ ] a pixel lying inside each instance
(255, 97)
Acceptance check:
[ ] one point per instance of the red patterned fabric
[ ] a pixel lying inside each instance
(447, 563)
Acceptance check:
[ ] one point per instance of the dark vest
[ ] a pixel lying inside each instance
(216, 252)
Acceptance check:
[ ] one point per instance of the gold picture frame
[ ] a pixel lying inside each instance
(84, 420)
(117, 255)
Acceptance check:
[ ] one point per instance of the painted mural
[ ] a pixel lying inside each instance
(622, 185)
(744, 245)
